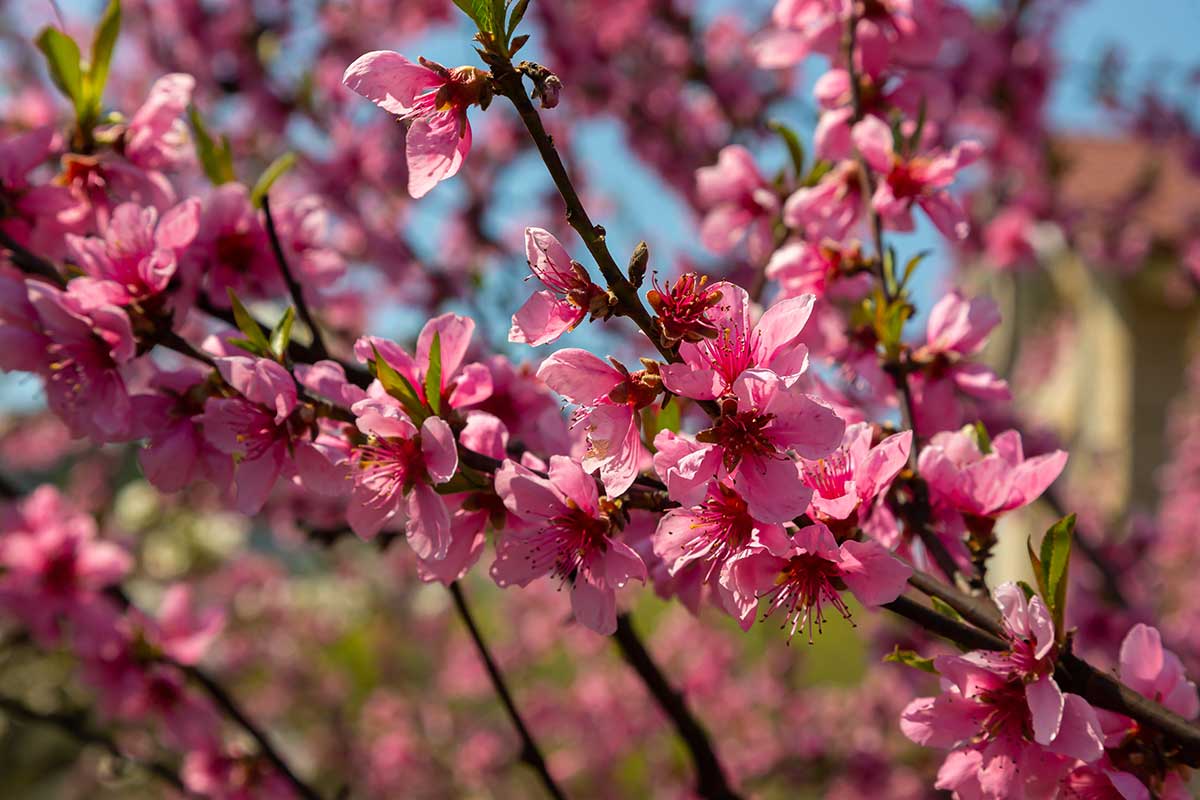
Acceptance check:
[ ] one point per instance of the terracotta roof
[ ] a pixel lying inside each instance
(1152, 181)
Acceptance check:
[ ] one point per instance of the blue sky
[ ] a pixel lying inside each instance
(1159, 37)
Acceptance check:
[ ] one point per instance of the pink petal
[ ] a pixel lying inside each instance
(579, 376)
(594, 607)
(389, 80)
(872, 573)
(1045, 707)
(873, 138)
(543, 319)
(427, 522)
(439, 449)
(435, 151)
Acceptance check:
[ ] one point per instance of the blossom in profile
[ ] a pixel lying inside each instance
(610, 401)
(740, 203)
(566, 300)
(431, 100)
(965, 479)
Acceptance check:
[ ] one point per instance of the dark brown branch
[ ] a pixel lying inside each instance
(711, 783)
(530, 753)
(76, 726)
(29, 263)
(294, 287)
(229, 706)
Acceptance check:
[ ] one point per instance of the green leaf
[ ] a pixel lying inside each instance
(1029, 591)
(944, 608)
(912, 265)
(480, 12)
(981, 437)
(912, 659)
(215, 159)
(433, 375)
(281, 334)
(272, 173)
(518, 14)
(103, 43)
(248, 325)
(661, 418)
(1056, 562)
(818, 171)
(250, 347)
(398, 387)
(63, 60)
(794, 145)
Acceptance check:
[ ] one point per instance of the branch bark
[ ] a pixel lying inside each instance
(710, 776)
(530, 753)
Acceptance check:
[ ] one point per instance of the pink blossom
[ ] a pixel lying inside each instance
(829, 209)
(957, 329)
(396, 469)
(177, 452)
(55, 566)
(565, 301)
(87, 338)
(180, 631)
(710, 537)
(920, 179)
(259, 431)
(470, 512)
(752, 442)
(609, 403)
(740, 203)
(138, 253)
(570, 536)
(966, 480)
(1154, 671)
(431, 100)
(1010, 726)
(36, 216)
(231, 249)
(802, 575)
(156, 137)
(851, 477)
(711, 366)
(826, 270)
(801, 27)
(462, 385)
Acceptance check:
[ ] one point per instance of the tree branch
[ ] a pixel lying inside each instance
(226, 702)
(75, 726)
(711, 783)
(294, 287)
(530, 753)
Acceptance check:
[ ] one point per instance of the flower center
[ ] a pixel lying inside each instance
(725, 527)
(741, 434)
(828, 476)
(389, 467)
(802, 589)
(569, 544)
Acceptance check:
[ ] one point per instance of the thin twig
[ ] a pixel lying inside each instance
(711, 782)
(530, 753)
(30, 263)
(230, 706)
(75, 725)
(294, 287)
